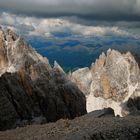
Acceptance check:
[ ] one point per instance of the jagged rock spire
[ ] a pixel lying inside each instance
(58, 68)
(32, 89)
(15, 53)
(115, 78)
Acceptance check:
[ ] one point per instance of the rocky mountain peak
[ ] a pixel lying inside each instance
(114, 79)
(16, 53)
(32, 91)
(58, 68)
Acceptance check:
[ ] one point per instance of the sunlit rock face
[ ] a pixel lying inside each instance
(30, 89)
(83, 78)
(16, 54)
(110, 82)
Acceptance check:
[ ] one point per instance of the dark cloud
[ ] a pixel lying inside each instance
(34, 16)
(116, 10)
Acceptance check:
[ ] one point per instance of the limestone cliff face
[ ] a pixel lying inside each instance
(31, 91)
(114, 79)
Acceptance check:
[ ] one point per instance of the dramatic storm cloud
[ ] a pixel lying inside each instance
(46, 27)
(86, 17)
(89, 9)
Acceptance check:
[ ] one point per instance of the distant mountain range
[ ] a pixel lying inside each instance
(75, 51)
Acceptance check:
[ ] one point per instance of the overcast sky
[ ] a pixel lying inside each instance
(29, 14)
(95, 9)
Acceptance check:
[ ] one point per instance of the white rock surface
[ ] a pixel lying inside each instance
(110, 82)
(83, 77)
(15, 53)
(58, 68)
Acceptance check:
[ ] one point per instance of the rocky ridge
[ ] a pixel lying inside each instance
(86, 127)
(112, 81)
(31, 91)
